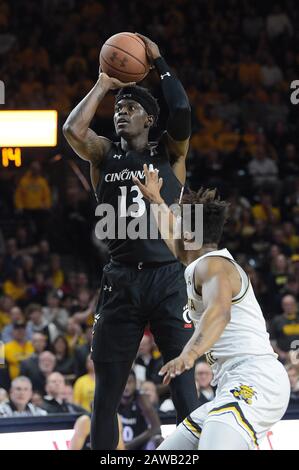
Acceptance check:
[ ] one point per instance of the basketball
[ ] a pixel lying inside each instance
(123, 56)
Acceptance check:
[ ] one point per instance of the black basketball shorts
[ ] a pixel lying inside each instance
(130, 298)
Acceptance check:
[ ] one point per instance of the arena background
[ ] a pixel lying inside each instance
(238, 61)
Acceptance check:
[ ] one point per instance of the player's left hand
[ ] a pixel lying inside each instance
(177, 366)
(152, 50)
(151, 188)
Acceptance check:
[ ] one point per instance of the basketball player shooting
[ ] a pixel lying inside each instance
(253, 387)
(143, 283)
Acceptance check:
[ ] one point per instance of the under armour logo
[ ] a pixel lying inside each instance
(165, 75)
(107, 288)
(113, 56)
(123, 62)
(117, 156)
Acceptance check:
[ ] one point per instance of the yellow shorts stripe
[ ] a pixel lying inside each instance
(237, 412)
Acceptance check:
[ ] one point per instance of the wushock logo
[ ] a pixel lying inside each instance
(2, 92)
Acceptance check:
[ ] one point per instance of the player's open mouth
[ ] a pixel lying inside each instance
(122, 121)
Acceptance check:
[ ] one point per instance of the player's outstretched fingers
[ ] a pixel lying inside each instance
(146, 173)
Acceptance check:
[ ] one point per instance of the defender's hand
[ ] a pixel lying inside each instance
(112, 83)
(177, 366)
(152, 50)
(151, 188)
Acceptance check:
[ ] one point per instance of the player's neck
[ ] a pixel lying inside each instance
(207, 248)
(192, 255)
(138, 143)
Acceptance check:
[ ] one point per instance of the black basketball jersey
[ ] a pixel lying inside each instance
(116, 188)
(132, 419)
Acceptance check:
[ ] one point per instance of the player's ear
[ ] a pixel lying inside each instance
(149, 121)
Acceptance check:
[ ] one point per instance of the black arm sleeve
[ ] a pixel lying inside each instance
(179, 121)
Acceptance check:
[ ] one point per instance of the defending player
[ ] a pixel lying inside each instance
(253, 387)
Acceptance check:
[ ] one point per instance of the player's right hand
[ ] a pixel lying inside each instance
(112, 83)
(185, 361)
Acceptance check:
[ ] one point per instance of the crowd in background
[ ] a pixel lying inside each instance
(236, 60)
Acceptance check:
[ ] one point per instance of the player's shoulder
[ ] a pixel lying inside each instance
(106, 143)
(209, 266)
(108, 148)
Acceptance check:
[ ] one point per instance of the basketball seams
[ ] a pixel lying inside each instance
(133, 36)
(126, 52)
(121, 71)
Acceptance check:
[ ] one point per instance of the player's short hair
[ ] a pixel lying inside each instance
(214, 212)
(143, 97)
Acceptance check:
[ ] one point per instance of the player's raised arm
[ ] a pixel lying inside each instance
(212, 279)
(85, 142)
(179, 121)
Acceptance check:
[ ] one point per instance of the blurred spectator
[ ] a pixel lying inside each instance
(81, 353)
(12, 258)
(19, 400)
(74, 335)
(37, 399)
(30, 365)
(15, 286)
(203, 378)
(84, 387)
(3, 395)
(289, 164)
(17, 350)
(53, 313)
(263, 169)
(16, 316)
(68, 394)
(56, 273)
(149, 389)
(54, 401)
(83, 300)
(265, 210)
(141, 424)
(33, 192)
(43, 256)
(33, 197)
(28, 268)
(271, 74)
(38, 324)
(6, 304)
(64, 360)
(278, 23)
(285, 327)
(148, 362)
(38, 375)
